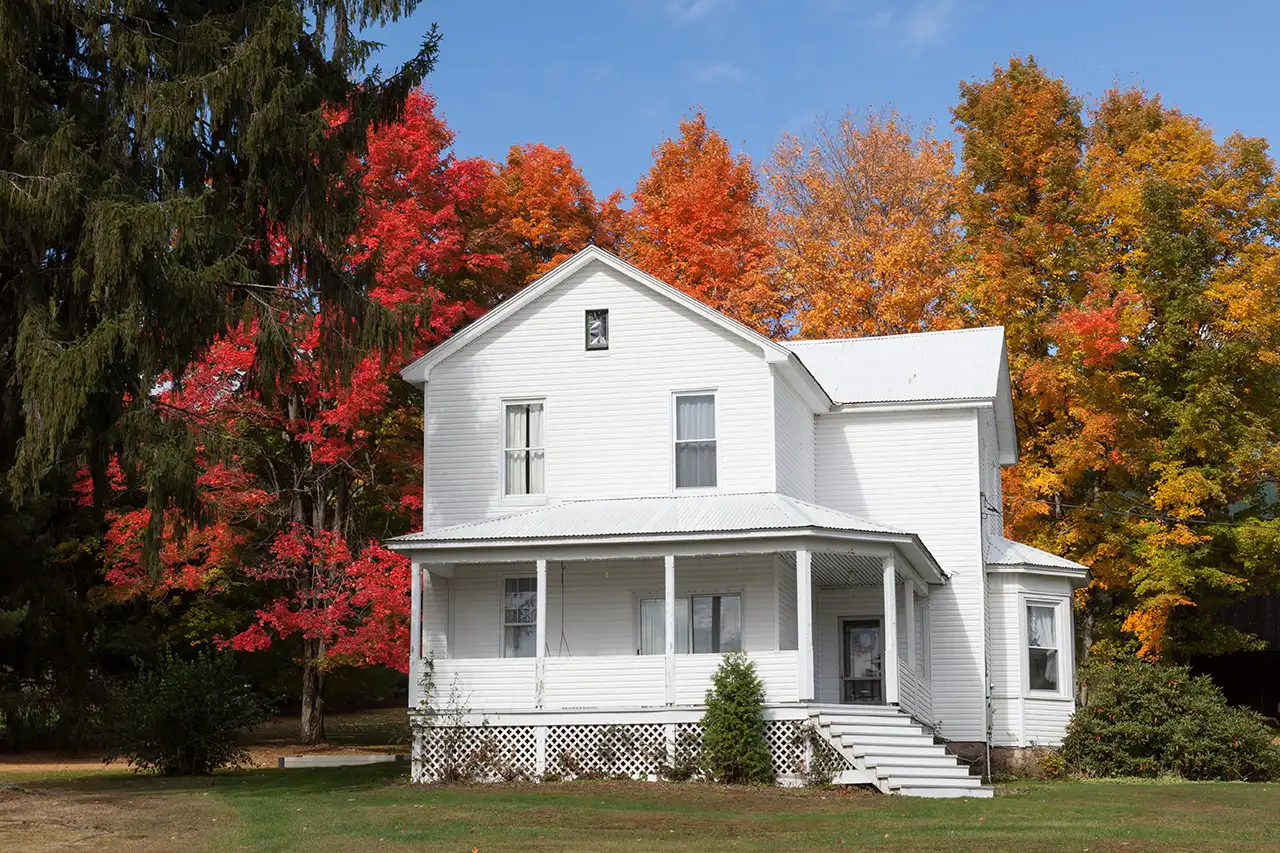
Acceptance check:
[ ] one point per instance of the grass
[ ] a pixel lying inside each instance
(362, 808)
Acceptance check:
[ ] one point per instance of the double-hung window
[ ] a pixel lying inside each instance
(705, 624)
(524, 448)
(519, 617)
(695, 440)
(1044, 647)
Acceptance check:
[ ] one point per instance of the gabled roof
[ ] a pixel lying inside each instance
(964, 365)
(774, 353)
(956, 365)
(703, 515)
(1013, 555)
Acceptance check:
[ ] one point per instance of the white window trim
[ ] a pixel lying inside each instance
(537, 499)
(688, 594)
(715, 401)
(1066, 647)
(502, 610)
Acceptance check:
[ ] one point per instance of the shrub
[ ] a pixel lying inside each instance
(734, 748)
(1142, 719)
(181, 717)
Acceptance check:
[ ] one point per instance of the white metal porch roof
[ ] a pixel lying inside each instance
(668, 517)
(1006, 552)
(718, 513)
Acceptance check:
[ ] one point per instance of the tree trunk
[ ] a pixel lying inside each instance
(312, 730)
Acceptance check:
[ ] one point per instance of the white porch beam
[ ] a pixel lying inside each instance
(890, 631)
(443, 570)
(909, 611)
(415, 612)
(669, 623)
(540, 633)
(804, 625)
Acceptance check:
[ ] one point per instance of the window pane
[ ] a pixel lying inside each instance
(536, 435)
(1040, 626)
(520, 641)
(517, 472)
(517, 426)
(1044, 669)
(730, 623)
(696, 464)
(695, 417)
(702, 627)
(653, 623)
(521, 601)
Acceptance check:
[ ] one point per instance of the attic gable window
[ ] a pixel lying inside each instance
(597, 329)
(695, 441)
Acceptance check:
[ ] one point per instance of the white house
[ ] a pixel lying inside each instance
(622, 483)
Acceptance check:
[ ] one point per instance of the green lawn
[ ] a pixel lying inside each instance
(367, 808)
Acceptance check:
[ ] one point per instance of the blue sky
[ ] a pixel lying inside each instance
(609, 80)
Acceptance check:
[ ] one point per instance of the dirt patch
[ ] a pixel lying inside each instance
(35, 820)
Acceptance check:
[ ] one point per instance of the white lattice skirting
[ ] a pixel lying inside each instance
(634, 750)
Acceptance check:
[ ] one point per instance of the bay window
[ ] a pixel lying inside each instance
(1044, 647)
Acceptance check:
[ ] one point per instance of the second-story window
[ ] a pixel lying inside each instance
(524, 449)
(695, 441)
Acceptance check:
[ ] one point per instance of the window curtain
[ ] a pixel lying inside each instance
(653, 624)
(1042, 648)
(1040, 627)
(695, 441)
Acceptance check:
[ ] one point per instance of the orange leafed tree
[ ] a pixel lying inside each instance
(544, 210)
(865, 213)
(698, 223)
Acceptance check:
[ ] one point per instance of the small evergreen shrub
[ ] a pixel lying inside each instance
(181, 717)
(1141, 719)
(734, 748)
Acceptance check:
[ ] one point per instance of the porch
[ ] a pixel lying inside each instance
(508, 627)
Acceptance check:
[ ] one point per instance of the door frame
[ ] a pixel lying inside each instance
(841, 677)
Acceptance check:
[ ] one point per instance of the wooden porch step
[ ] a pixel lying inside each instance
(856, 730)
(893, 769)
(981, 792)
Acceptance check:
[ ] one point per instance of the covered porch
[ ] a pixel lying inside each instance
(626, 605)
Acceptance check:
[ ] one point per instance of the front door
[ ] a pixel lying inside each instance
(861, 661)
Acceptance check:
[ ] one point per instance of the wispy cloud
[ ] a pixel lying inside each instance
(717, 72)
(924, 25)
(683, 12)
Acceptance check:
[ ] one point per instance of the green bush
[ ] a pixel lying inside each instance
(181, 717)
(734, 748)
(1141, 719)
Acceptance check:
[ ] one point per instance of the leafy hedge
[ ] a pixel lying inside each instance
(1141, 719)
(734, 748)
(182, 717)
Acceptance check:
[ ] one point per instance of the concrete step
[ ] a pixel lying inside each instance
(936, 771)
(929, 781)
(856, 730)
(941, 792)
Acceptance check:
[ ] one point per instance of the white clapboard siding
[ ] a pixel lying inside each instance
(1019, 721)
(918, 470)
(608, 414)
(593, 607)
(794, 432)
(612, 681)
(776, 669)
(785, 591)
(478, 685)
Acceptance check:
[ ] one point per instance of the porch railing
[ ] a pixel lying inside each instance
(914, 694)
(603, 681)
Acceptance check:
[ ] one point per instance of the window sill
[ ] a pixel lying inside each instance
(523, 500)
(1047, 697)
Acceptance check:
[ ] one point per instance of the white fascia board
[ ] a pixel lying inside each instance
(913, 406)
(1078, 577)
(420, 370)
(793, 371)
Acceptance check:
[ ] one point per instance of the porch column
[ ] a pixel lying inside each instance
(669, 629)
(415, 613)
(890, 631)
(804, 626)
(909, 610)
(540, 634)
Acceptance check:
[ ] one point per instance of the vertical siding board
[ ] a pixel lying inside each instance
(796, 442)
(918, 471)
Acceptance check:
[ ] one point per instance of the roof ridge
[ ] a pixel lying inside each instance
(896, 335)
